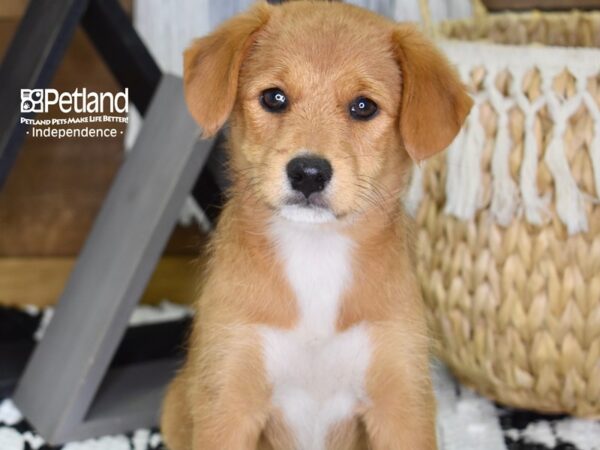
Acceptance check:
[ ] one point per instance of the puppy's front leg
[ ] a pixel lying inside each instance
(229, 400)
(400, 422)
(227, 430)
(401, 414)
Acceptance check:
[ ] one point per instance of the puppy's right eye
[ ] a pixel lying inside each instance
(274, 100)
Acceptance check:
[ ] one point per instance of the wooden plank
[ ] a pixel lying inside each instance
(40, 281)
(544, 5)
(12, 8)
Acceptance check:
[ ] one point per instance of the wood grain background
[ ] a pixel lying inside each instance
(55, 190)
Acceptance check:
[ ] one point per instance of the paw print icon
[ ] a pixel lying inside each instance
(32, 100)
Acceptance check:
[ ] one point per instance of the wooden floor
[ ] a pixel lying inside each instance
(40, 281)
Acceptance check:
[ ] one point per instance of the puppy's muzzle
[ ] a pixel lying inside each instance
(309, 174)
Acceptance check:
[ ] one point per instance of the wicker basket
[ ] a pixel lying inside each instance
(509, 219)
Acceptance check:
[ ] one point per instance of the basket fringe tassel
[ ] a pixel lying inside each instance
(464, 181)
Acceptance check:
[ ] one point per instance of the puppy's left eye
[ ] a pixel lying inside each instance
(362, 108)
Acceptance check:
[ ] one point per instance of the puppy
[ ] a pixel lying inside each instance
(310, 331)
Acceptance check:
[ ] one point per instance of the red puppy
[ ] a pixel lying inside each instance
(310, 332)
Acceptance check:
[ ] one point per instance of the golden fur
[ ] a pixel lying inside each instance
(322, 55)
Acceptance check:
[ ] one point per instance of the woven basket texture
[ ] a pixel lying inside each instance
(515, 303)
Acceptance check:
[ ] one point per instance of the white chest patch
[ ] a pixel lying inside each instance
(317, 373)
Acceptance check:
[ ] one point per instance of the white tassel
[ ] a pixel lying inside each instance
(550, 62)
(535, 208)
(594, 152)
(570, 205)
(463, 187)
(414, 194)
(453, 158)
(594, 146)
(505, 195)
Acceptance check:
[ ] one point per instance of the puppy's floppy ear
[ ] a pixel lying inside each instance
(211, 67)
(434, 101)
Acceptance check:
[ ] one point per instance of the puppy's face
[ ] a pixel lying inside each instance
(322, 107)
(318, 101)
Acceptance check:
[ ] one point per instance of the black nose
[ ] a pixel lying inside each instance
(308, 174)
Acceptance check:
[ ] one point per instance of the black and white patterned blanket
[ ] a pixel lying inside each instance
(466, 420)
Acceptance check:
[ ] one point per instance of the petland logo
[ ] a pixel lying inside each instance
(77, 114)
(78, 101)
